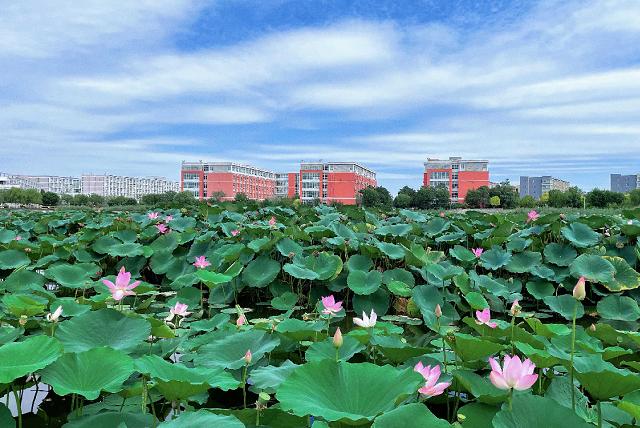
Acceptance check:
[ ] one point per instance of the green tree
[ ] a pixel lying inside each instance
(557, 199)
(634, 197)
(432, 198)
(241, 198)
(184, 199)
(527, 202)
(604, 198)
(96, 200)
(80, 200)
(385, 199)
(507, 194)
(50, 199)
(477, 198)
(368, 197)
(406, 190)
(403, 200)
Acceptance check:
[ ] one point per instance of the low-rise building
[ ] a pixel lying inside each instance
(457, 175)
(625, 183)
(9, 181)
(56, 184)
(538, 186)
(130, 187)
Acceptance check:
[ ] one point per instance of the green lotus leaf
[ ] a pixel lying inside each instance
(476, 300)
(88, 373)
(401, 275)
(603, 380)
(285, 301)
(461, 253)
(621, 308)
(212, 278)
(416, 414)
(19, 359)
(325, 350)
(176, 381)
(540, 289)
(257, 244)
(399, 288)
(479, 386)
(394, 230)
(13, 259)
(565, 305)
(559, 254)
(593, 268)
(23, 280)
(625, 277)
(395, 349)
(534, 411)
(105, 327)
(378, 301)
(112, 419)
(630, 403)
(288, 247)
(436, 226)
(359, 262)
(228, 351)
(269, 378)
(300, 330)
(7, 236)
(128, 249)
(20, 304)
(477, 415)
(326, 265)
(524, 262)
(300, 272)
(71, 276)
(260, 272)
(580, 235)
(495, 258)
(202, 418)
(392, 251)
(472, 348)
(347, 392)
(364, 283)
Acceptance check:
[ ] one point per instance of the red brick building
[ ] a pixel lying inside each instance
(327, 182)
(207, 179)
(457, 175)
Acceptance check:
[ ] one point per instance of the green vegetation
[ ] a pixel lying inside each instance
(237, 315)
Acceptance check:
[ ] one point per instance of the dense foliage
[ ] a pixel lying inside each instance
(319, 316)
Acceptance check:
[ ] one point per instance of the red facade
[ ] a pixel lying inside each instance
(457, 187)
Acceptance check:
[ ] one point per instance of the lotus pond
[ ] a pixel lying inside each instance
(318, 317)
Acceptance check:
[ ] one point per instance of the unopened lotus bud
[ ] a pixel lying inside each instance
(337, 338)
(579, 291)
(248, 357)
(516, 309)
(592, 327)
(438, 311)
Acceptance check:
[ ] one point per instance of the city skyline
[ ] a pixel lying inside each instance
(536, 87)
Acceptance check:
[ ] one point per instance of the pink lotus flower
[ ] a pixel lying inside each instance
(235, 232)
(532, 216)
(201, 262)
(248, 357)
(477, 252)
(242, 320)
(179, 309)
(579, 291)
(331, 307)
(122, 287)
(18, 238)
(367, 321)
(153, 216)
(514, 374)
(272, 221)
(162, 228)
(441, 213)
(53, 317)
(484, 317)
(431, 376)
(168, 218)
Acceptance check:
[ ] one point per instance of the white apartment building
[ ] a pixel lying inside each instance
(55, 184)
(130, 187)
(8, 181)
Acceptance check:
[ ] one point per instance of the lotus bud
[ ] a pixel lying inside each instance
(516, 309)
(579, 291)
(592, 327)
(438, 311)
(242, 320)
(337, 338)
(23, 320)
(248, 357)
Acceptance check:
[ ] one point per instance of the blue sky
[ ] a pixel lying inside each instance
(548, 87)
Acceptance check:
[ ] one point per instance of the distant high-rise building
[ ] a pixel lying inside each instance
(625, 183)
(457, 175)
(537, 186)
(130, 187)
(226, 179)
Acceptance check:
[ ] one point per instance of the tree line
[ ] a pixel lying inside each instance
(49, 199)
